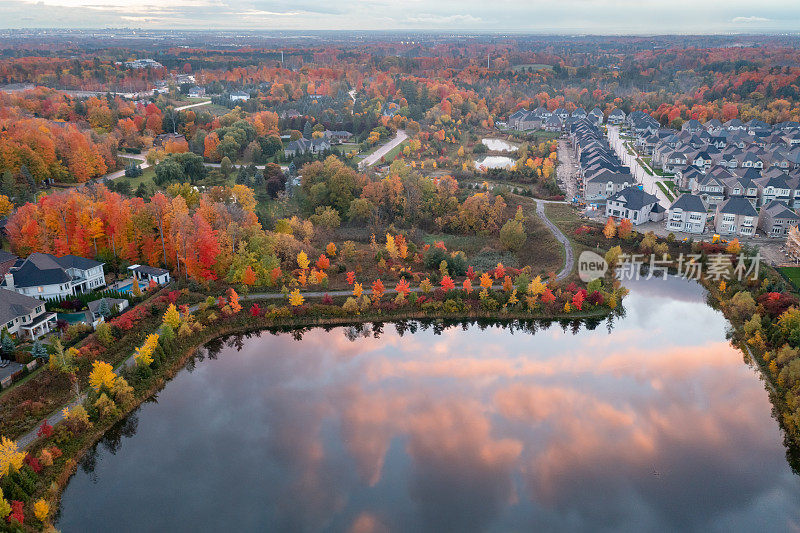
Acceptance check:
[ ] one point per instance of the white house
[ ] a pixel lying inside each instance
(24, 316)
(147, 274)
(687, 214)
(47, 277)
(240, 96)
(635, 205)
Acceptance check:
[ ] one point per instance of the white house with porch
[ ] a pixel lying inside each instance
(24, 316)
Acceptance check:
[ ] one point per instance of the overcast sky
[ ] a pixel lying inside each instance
(535, 16)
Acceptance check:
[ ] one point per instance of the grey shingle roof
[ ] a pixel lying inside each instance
(689, 202)
(14, 304)
(738, 205)
(634, 198)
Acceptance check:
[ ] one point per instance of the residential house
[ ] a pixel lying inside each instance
(196, 92)
(736, 216)
(7, 260)
(24, 316)
(688, 214)
(617, 116)
(48, 277)
(239, 96)
(147, 274)
(303, 145)
(605, 184)
(711, 190)
(635, 205)
(775, 219)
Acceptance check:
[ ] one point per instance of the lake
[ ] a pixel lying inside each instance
(650, 423)
(499, 145)
(494, 161)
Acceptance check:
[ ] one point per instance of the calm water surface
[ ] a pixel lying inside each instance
(500, 145)
(657, 425)
(494, 161)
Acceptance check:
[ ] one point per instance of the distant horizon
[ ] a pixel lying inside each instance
(568, 17)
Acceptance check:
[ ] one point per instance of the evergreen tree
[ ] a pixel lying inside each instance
(307, 130)
(38, 351)
(8, 344)
(104, 310)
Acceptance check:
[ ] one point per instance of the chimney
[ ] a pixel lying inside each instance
(10, 281)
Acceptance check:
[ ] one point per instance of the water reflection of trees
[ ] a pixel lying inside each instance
(358, 330)
(111, 442)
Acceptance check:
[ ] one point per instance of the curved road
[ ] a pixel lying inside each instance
(569, 256)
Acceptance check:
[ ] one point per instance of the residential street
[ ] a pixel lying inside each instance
(647, 180)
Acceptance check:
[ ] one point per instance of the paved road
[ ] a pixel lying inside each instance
(647, 180)
(569, 256)
(198, 104)
(375, 156)
(119, 173)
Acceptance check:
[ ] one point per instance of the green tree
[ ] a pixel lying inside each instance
(512, 235)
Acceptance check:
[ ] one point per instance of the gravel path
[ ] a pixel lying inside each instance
(569, 259)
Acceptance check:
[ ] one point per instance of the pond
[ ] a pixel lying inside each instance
(500, 145)
(494, 161)
(650, 423)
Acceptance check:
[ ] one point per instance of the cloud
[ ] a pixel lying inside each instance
(750, 20)
(430, 19)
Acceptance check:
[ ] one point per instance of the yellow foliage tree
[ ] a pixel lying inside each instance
(102, 375)
(41, 510)
(172, 317)
(10, 456)
(486, 280)
(144, 353)
(302, 260)
(357, 290)
(5, 205)
(331, 249)
(734, 247)
(611, 228)
(391, 249)
(295, 298)
(135, 288)
(536, 287)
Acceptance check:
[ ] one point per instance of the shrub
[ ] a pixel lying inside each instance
(512, 235)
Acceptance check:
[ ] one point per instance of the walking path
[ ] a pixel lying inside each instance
(569, 260)
(375, 156)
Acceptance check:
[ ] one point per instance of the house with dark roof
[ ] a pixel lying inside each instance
(46, 276)
(688, 214)
(775, 219)
(147, 274)
(736, 216)
(606, 183)
(7, 260)
(24, 316)
(635, 205)
(303, 145)
(617, 116)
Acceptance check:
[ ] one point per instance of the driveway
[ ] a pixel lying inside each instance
(198, 104)
(567, 170)
(375, 156)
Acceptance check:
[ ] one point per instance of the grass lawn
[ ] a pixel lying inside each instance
(793, 273)
(392, 154)
(666, 190)
(567, 219)
(147, 178)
